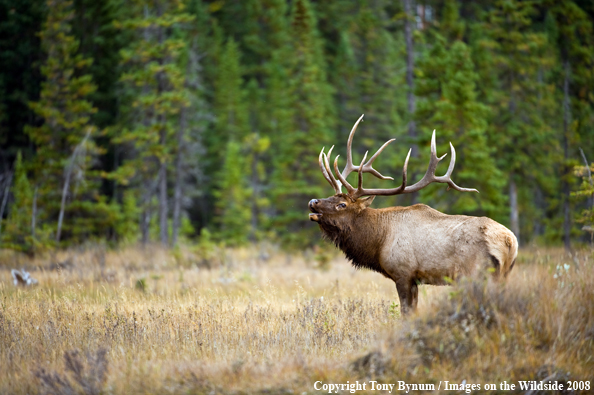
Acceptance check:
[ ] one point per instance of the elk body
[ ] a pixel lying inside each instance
(410, 245)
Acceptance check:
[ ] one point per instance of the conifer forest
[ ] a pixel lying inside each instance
(156, 121)
(159, 161)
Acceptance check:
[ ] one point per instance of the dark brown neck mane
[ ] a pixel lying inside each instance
(360, 244)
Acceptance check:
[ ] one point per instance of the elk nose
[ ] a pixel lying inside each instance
(313, 202)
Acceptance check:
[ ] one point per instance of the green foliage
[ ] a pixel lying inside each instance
(232, 197)
(312, 123)
(586, 192)
(18, 232)
(524, 107)
(229, 102)
(65, 111)
(222, 108)
(449, 103)
(102, 41)
(126, 226)
(156, 100)
(155, 89)
(20, 78)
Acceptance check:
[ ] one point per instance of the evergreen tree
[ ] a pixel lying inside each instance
(20, 77)
(99, 38)
(66, 112)
(126, 227)
(573, 33)
(367, 74)
(231, 196)
(20, 231)
(156, 93)
(586, 192)
(520, 105)
(189, 150)
(229, 104)
(296, 176)
(449, 104)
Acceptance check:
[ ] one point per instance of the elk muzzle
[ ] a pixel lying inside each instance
(314, 216)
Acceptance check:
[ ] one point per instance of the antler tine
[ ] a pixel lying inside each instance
(343, 180)
(446, 178)
(327, 175)
(434, 150)
(427, 179)
(360, 173)
(405, 169)
(364, 167)
(337, 185)
(349, 168)
(368, 167)
(394, 191)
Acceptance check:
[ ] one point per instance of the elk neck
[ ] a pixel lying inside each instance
(361, 237)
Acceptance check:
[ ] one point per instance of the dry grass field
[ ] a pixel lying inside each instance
(261, 321)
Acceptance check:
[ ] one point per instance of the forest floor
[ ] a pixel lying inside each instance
(262, 321)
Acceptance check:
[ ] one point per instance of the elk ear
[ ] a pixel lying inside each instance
(367, 201)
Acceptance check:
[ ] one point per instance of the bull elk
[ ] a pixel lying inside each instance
(410, 245)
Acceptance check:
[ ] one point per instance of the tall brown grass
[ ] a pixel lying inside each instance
(253, 320)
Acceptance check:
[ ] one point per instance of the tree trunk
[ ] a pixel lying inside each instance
(255, 197)
(514, 212)
(514, 218)
(145, 216)
(177, 191)
(145, 220)
(566, 171)
(410, 95)
(63, 203)
(162, 121)
(34, 213)
(5, 199)
(77, 150)
(163, 231)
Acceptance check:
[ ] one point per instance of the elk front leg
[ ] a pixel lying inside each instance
(414, 293)
(408, 294)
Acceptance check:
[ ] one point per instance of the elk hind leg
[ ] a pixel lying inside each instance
(408, 295)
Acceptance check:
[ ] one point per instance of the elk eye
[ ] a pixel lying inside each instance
(341, 205)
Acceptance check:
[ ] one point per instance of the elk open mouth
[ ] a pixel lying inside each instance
(314, 216)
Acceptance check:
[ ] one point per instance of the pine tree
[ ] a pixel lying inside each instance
(20, 77)
(296, 177)
(447, 90)
(367, 74)
(231, 196)
(20, 232)
(66, 112)
(93, 25)
(189, 150)
(586, 192)
(126, 227)
(156, 94)
(572, 32)
(229, 101)
(518, 129)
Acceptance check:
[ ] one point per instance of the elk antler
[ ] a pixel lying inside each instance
(349, 167)
(355, 193)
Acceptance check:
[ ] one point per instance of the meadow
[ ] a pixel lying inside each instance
(259, 320)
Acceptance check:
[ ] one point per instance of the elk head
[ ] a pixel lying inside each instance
(343, 206)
